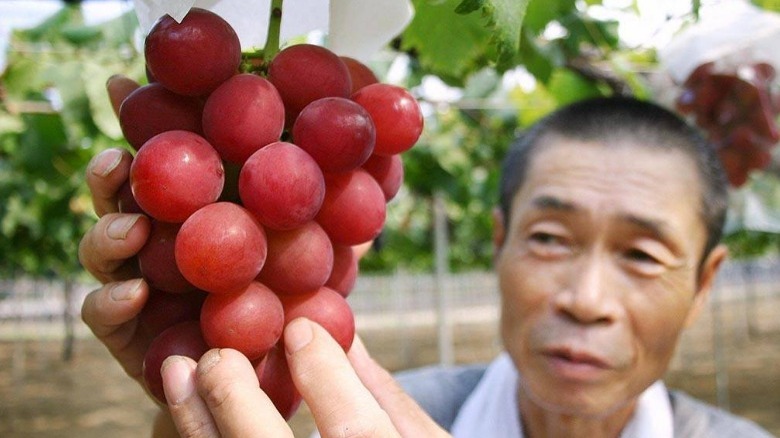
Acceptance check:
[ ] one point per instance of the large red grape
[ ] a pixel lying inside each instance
(174, 174)
(163, 310)
(338, 133)
(158, 262)
(153, 109)
(304, 73)
(242, 115)
(327, 308)
(195, 56)
(299, 260)
(282, 185)
(345, 270)
(360, 74)
(396, 114)
(354, 208)
(126, 201)
(250, 321)
(388, 171)
(221, 248)
(276, 381)
(183, 339)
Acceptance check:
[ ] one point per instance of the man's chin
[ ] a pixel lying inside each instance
(590, 401)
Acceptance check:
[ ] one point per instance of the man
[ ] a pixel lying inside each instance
(606, 248)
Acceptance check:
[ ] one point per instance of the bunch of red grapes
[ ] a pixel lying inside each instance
(258, 186)
(738, 112)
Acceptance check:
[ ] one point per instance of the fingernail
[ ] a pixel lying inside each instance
(112, 77)
(106, 162)
(297, 335)
(209, 360)
(126, 290)
(178, 381)
(119, 227)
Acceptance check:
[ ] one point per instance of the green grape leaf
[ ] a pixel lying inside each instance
(540, 13)
(505, 21)
(446, 43)
(469, 6)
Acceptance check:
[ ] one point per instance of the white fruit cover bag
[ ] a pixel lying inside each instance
(355, 28)
(740, 34)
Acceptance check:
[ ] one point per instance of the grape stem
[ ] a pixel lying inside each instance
(274, 27)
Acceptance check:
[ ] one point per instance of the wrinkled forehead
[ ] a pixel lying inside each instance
(615, 173)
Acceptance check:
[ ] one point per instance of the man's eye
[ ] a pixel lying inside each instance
(548, 245)
(545, 238)
(640, 256)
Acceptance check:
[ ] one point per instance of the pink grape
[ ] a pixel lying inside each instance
(163, 309)
(174, 174)
(273, 372)
(158, 262)
(153, 109)
(282, 185)
(396, 114)
(359, 73)
(327, 308)
(354, 208)
(195, 56)
(242, 115)
(388, 171)
(221, 248)
(250, 321)
(345, 270)
(338, 133)
(183, 339)
(126, 201)
(304, 73)
(299, 260)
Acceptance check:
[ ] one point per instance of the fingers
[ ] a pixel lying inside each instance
(190, 413)
(106, 247)
(222, 394)
(407, 416)
(118, 88)
(339, 402)
(106, 173)
(111, 313)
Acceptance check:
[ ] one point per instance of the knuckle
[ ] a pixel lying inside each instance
(219, 394)
(192, 426)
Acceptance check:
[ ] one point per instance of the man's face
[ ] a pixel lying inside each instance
(598, 272)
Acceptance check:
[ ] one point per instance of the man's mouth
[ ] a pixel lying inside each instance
(576, 364)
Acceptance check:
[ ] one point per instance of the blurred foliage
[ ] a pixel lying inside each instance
(54, 116)
(771, 5)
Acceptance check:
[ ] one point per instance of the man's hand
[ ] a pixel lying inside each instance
(349, 395)
(106, 251)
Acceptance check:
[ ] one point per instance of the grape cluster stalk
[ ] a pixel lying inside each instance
(738, 111)
(258, 186)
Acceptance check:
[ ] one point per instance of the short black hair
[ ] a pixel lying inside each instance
(607, 118)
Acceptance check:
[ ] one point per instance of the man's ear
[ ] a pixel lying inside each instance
(709, 270)
(499, 231)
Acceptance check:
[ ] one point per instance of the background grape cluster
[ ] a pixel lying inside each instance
(737, 109)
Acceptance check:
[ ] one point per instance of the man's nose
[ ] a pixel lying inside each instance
(588, 298)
